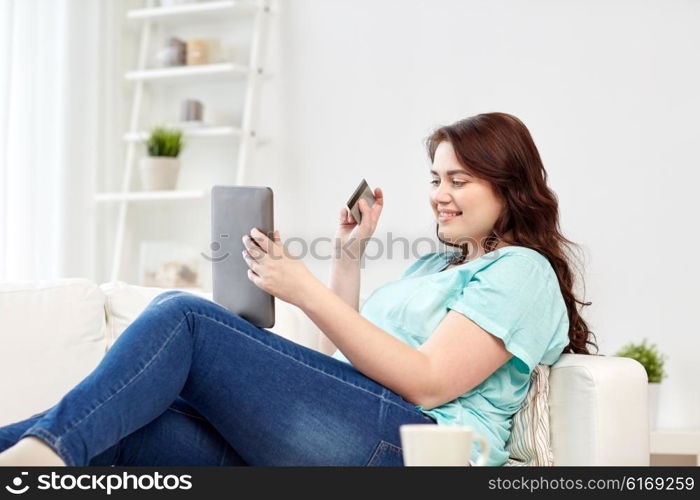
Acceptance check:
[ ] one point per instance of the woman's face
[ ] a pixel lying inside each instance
(453, 189)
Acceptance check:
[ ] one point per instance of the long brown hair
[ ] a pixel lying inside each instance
(498, 148)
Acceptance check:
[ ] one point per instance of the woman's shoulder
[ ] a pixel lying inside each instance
(514, 260)
(506, 259)
(521, 252)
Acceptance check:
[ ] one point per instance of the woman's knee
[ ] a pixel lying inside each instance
(178, 298)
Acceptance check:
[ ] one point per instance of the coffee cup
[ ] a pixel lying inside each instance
(440, 445)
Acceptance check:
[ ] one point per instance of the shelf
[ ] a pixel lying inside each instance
(203, 132)
(150, 196)
(144, 81)
(185, 12)
(222, 69)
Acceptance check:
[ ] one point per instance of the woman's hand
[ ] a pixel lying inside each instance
(351, 238)
(273, 270)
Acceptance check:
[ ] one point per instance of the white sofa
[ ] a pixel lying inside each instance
(53, 333)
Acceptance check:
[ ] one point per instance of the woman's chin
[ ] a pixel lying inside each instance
(446, 236)
(454, 237)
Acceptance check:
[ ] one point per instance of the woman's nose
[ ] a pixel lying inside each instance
(441, 194)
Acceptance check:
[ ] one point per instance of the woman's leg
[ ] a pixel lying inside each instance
(136, 381)
(10, 433)
(279, 403)
(274, 401)
(178, 437)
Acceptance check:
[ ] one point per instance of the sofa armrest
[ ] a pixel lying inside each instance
(52, 335)
(598, 411)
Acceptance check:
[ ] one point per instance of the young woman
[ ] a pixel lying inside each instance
(452, 341)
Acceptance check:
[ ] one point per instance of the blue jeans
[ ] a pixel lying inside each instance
(191, 383)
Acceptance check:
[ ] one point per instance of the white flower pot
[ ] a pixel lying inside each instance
(159, 172)
(654, 388)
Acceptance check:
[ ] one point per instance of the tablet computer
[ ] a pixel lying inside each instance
(234, 211)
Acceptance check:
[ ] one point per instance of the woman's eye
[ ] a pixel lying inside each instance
(455, 182)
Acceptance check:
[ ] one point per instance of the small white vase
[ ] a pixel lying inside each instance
(159, 172)
(654, 388)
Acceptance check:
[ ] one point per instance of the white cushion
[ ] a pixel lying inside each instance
(124, 302)
(52, 335)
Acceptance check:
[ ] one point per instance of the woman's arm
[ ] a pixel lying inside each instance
(370, 349)
(458, 356)
(349, 243)
(345, 282)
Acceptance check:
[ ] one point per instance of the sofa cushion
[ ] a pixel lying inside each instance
(124, 302)
(52, 335)
(529, 442)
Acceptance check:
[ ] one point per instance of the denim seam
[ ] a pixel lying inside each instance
(118, 454)
(380, 447)
(377, 449)
(172, 335)
(185, 413)
(392, 445)
(224, 454)
(298, 361)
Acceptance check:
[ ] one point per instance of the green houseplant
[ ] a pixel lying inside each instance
(648, 356)
(160, 168)
(653, 362)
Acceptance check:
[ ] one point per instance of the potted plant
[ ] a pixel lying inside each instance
(160, 168)
(653, 362)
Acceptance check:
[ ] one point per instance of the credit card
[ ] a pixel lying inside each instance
(361, 192)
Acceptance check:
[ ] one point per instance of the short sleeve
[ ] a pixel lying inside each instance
(515, 299)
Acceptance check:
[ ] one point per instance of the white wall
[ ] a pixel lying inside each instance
(607, 89)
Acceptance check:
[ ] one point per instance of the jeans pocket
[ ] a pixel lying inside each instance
(386, 455)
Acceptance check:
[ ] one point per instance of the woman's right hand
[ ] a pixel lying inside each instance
(351, 238)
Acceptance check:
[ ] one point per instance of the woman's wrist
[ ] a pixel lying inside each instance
(311, 294)
(346, 264)
(349, 250)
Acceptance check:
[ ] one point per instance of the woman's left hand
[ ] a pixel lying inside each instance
(272, 270)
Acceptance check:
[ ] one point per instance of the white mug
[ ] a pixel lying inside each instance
(434, 445)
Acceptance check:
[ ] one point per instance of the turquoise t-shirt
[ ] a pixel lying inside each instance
(512, 293)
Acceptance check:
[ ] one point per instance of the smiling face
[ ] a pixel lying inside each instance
(465, 207)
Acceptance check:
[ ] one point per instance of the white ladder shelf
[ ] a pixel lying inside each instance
(253, 73)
